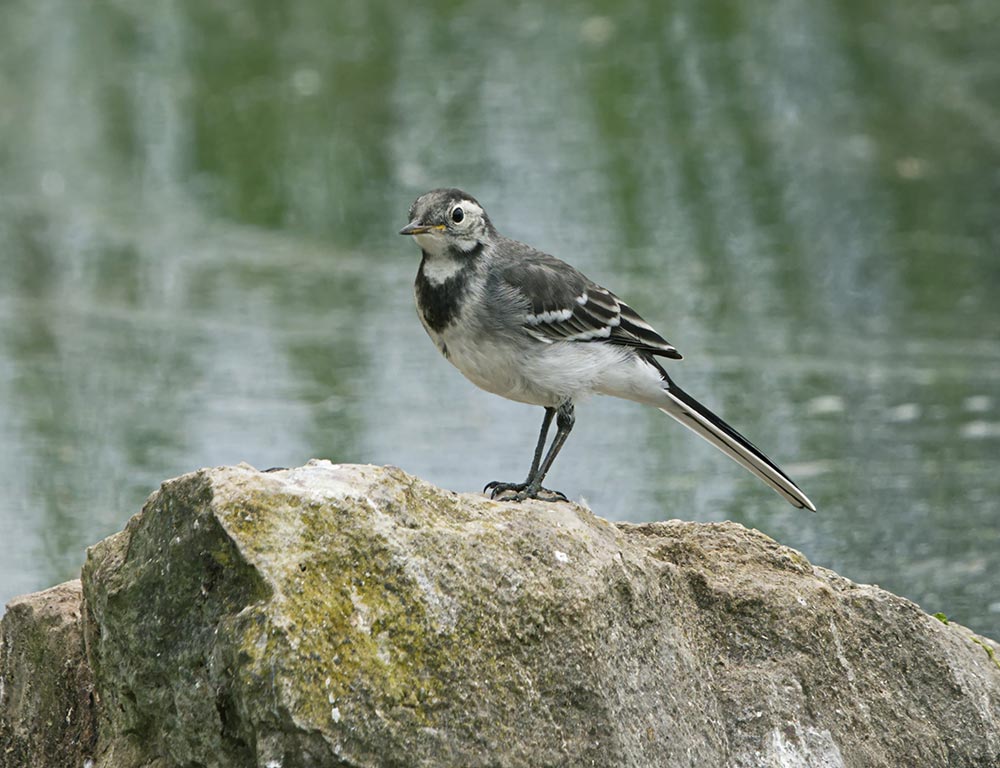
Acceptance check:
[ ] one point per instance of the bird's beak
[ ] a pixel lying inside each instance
(416, 228)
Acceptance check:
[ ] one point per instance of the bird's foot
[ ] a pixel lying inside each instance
(520, 492)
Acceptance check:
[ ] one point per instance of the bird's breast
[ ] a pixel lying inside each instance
(490, 363)
(441, 289)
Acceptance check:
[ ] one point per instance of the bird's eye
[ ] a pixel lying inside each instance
(457, 215)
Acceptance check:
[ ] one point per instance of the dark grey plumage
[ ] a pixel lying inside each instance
(553, 288)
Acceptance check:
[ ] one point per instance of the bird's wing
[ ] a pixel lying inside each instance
(564, 305)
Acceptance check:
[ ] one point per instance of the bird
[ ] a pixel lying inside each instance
(529, 327)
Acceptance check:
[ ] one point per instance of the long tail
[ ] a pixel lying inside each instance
(702, 421)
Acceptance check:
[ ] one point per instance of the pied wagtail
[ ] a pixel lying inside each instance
(529, 327)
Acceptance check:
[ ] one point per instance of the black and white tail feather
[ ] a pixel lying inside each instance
(700, 420)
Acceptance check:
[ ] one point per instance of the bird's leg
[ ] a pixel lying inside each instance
(565, 419)
(540, 445)
(532, 487)
(496, 487)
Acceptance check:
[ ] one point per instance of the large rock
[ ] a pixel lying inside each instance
(46, 689)
(357, 616)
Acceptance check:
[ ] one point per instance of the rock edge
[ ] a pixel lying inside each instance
(349, 615)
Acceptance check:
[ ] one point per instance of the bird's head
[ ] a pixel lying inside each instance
(448, 219)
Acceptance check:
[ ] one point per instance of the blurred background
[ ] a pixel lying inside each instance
(199, 262)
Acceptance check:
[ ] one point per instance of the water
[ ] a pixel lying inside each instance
(199, 265)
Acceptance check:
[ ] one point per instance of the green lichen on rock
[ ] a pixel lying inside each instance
(357, 616)
(988, 646)
(46, 687)
(382, 625)
(165, 585)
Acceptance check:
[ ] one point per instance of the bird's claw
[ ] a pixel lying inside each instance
(497, 488)
(544, 494)
(521, 491)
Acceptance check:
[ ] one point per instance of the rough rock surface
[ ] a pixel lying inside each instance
(46, 712)
(357, 616)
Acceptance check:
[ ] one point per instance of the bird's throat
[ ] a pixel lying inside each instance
(439, 268)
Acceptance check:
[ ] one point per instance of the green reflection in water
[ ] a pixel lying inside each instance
(197, 212)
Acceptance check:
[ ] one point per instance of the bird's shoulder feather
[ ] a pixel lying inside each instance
(562, 304)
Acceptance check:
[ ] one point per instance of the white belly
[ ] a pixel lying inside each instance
(533, 372)
(496, 367)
